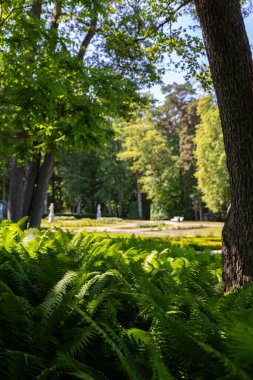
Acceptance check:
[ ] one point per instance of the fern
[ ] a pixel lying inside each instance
(81, 306)
(55, 296)
(143, 338)
(116, 344)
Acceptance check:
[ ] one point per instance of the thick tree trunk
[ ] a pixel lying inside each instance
(30, 180)
(40, 191)
(231, 66)
(16, 187)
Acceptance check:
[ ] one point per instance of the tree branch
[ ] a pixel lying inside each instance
(34, 6)
(168, 19)
(87, 39)
(37, 8)
(56, 14)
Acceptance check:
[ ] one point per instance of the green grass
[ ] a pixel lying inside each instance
(66, 222)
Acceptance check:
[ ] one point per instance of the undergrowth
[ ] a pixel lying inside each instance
(72, 222)
(87, 307)
(198, 242)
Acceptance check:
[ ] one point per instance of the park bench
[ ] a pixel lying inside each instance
(177, 219)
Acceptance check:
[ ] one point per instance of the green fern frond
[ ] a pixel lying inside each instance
(78, 339)
(4, 288)
(232, 371)
(19, 365)
(240, 340)
(116, 344)
(55, 296)
(66, 366)
(145, 340)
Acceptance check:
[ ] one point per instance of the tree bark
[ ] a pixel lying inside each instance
(231, 67)
(40, 191)
(36, 9)
(16, 187)
(30, 181)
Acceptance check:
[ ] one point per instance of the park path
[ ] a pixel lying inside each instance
(168, 229)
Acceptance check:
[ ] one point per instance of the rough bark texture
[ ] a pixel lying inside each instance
(40, 191)
(231, 66)
(15, 191)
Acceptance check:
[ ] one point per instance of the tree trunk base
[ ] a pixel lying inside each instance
(237, 252)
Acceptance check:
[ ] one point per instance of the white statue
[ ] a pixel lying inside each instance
(51, 216)
(99, 213)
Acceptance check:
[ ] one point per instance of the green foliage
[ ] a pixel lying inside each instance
(150, 157)
(211, 171)
(63, 221)
(49, 92)
(178, 119)
(95, 308)
(198, 242)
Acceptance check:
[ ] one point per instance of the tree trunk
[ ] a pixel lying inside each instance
(30, 180)
(231, 67)
(120, 202)
(109, 207)
(40, 191)
(3, 187)
(16, 188)
(139, 199)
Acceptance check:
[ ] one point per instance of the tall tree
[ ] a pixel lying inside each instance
(230, 59)
(152, 160)
(211, 170)
(178, 118)
(64, 76)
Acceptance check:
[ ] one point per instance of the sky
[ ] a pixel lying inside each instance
(178, 77)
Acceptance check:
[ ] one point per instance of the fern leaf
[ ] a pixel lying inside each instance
(159, 369)
(55, 296)
(116, 344)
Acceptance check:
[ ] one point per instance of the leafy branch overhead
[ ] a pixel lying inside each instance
(62, 101)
